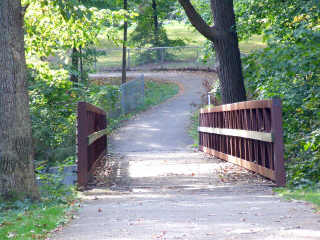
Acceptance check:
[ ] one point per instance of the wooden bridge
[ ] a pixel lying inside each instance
(247, 133)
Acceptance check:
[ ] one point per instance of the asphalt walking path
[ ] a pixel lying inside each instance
(161, 188)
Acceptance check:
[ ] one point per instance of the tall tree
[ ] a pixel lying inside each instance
(124, 48)
(16, 150)
(74, 65)
(156, 23)
(224, 37)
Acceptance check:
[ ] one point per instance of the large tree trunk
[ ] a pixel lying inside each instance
(224, 38)
(228, 53)
(16, 151)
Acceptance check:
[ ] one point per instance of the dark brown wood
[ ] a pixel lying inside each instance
(268, 173)
(239, 106)
(82, 141)
(91, 126)
(278, 151)
(246, 134)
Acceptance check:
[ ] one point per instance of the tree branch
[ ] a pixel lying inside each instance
(24, 9)
(197, 21)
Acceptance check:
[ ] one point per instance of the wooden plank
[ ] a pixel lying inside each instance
(239, 106)
(82, 140)
(268, 173)
(278, 147)
(96, 135)
(261, 136)
(92, 108)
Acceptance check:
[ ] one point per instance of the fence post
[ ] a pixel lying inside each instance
(277, 133)
(82, 137)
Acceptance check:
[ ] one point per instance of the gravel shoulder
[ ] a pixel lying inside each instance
(156, 186)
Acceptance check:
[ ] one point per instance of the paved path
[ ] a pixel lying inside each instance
(161, 189)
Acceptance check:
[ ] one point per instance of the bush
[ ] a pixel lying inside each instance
(53, 104)
(292, 72)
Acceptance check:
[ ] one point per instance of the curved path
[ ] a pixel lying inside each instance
(160, 188)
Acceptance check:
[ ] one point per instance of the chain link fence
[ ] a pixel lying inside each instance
(131, 97)
(171, 58)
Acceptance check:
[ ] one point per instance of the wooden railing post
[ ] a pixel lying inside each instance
(277, 133)
(82, 140)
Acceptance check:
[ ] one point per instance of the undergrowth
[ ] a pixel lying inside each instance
(312, 196)
(193, 128)
(24, 220)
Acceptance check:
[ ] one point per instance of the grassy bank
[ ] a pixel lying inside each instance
(193, 128)
(189, 34)
(312, 196)
(24, 220)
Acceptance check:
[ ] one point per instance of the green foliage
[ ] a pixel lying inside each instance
(291, 72)
(193, 128)
(144, 33)
(288, 67)
(280, 21)
(309, 195)
(23, 220)
(53, 103)
(157, 92)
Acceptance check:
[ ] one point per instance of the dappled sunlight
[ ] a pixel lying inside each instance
(165, 168)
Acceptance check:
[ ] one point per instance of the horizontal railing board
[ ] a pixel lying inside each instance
(96, 135)
(268, 173)
(92, 108)
(239, 106)
(261, 136)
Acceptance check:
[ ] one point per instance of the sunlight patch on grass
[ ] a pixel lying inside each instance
(312, 196)
(254, 43)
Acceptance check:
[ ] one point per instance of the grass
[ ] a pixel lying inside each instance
(193, 128)
(24, 220)
(158, 92)
(312, 196)
(188, 33)
(178, 30)
(112, 59)
(254, 43)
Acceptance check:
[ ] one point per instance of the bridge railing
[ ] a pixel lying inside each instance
(91, 139)
(248, 134)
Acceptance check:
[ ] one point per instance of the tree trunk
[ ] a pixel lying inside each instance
(156, 28)
(225, 40)
(74, 65)
(81, 64)
(17, 178)
(227, 53)
(124, 48)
